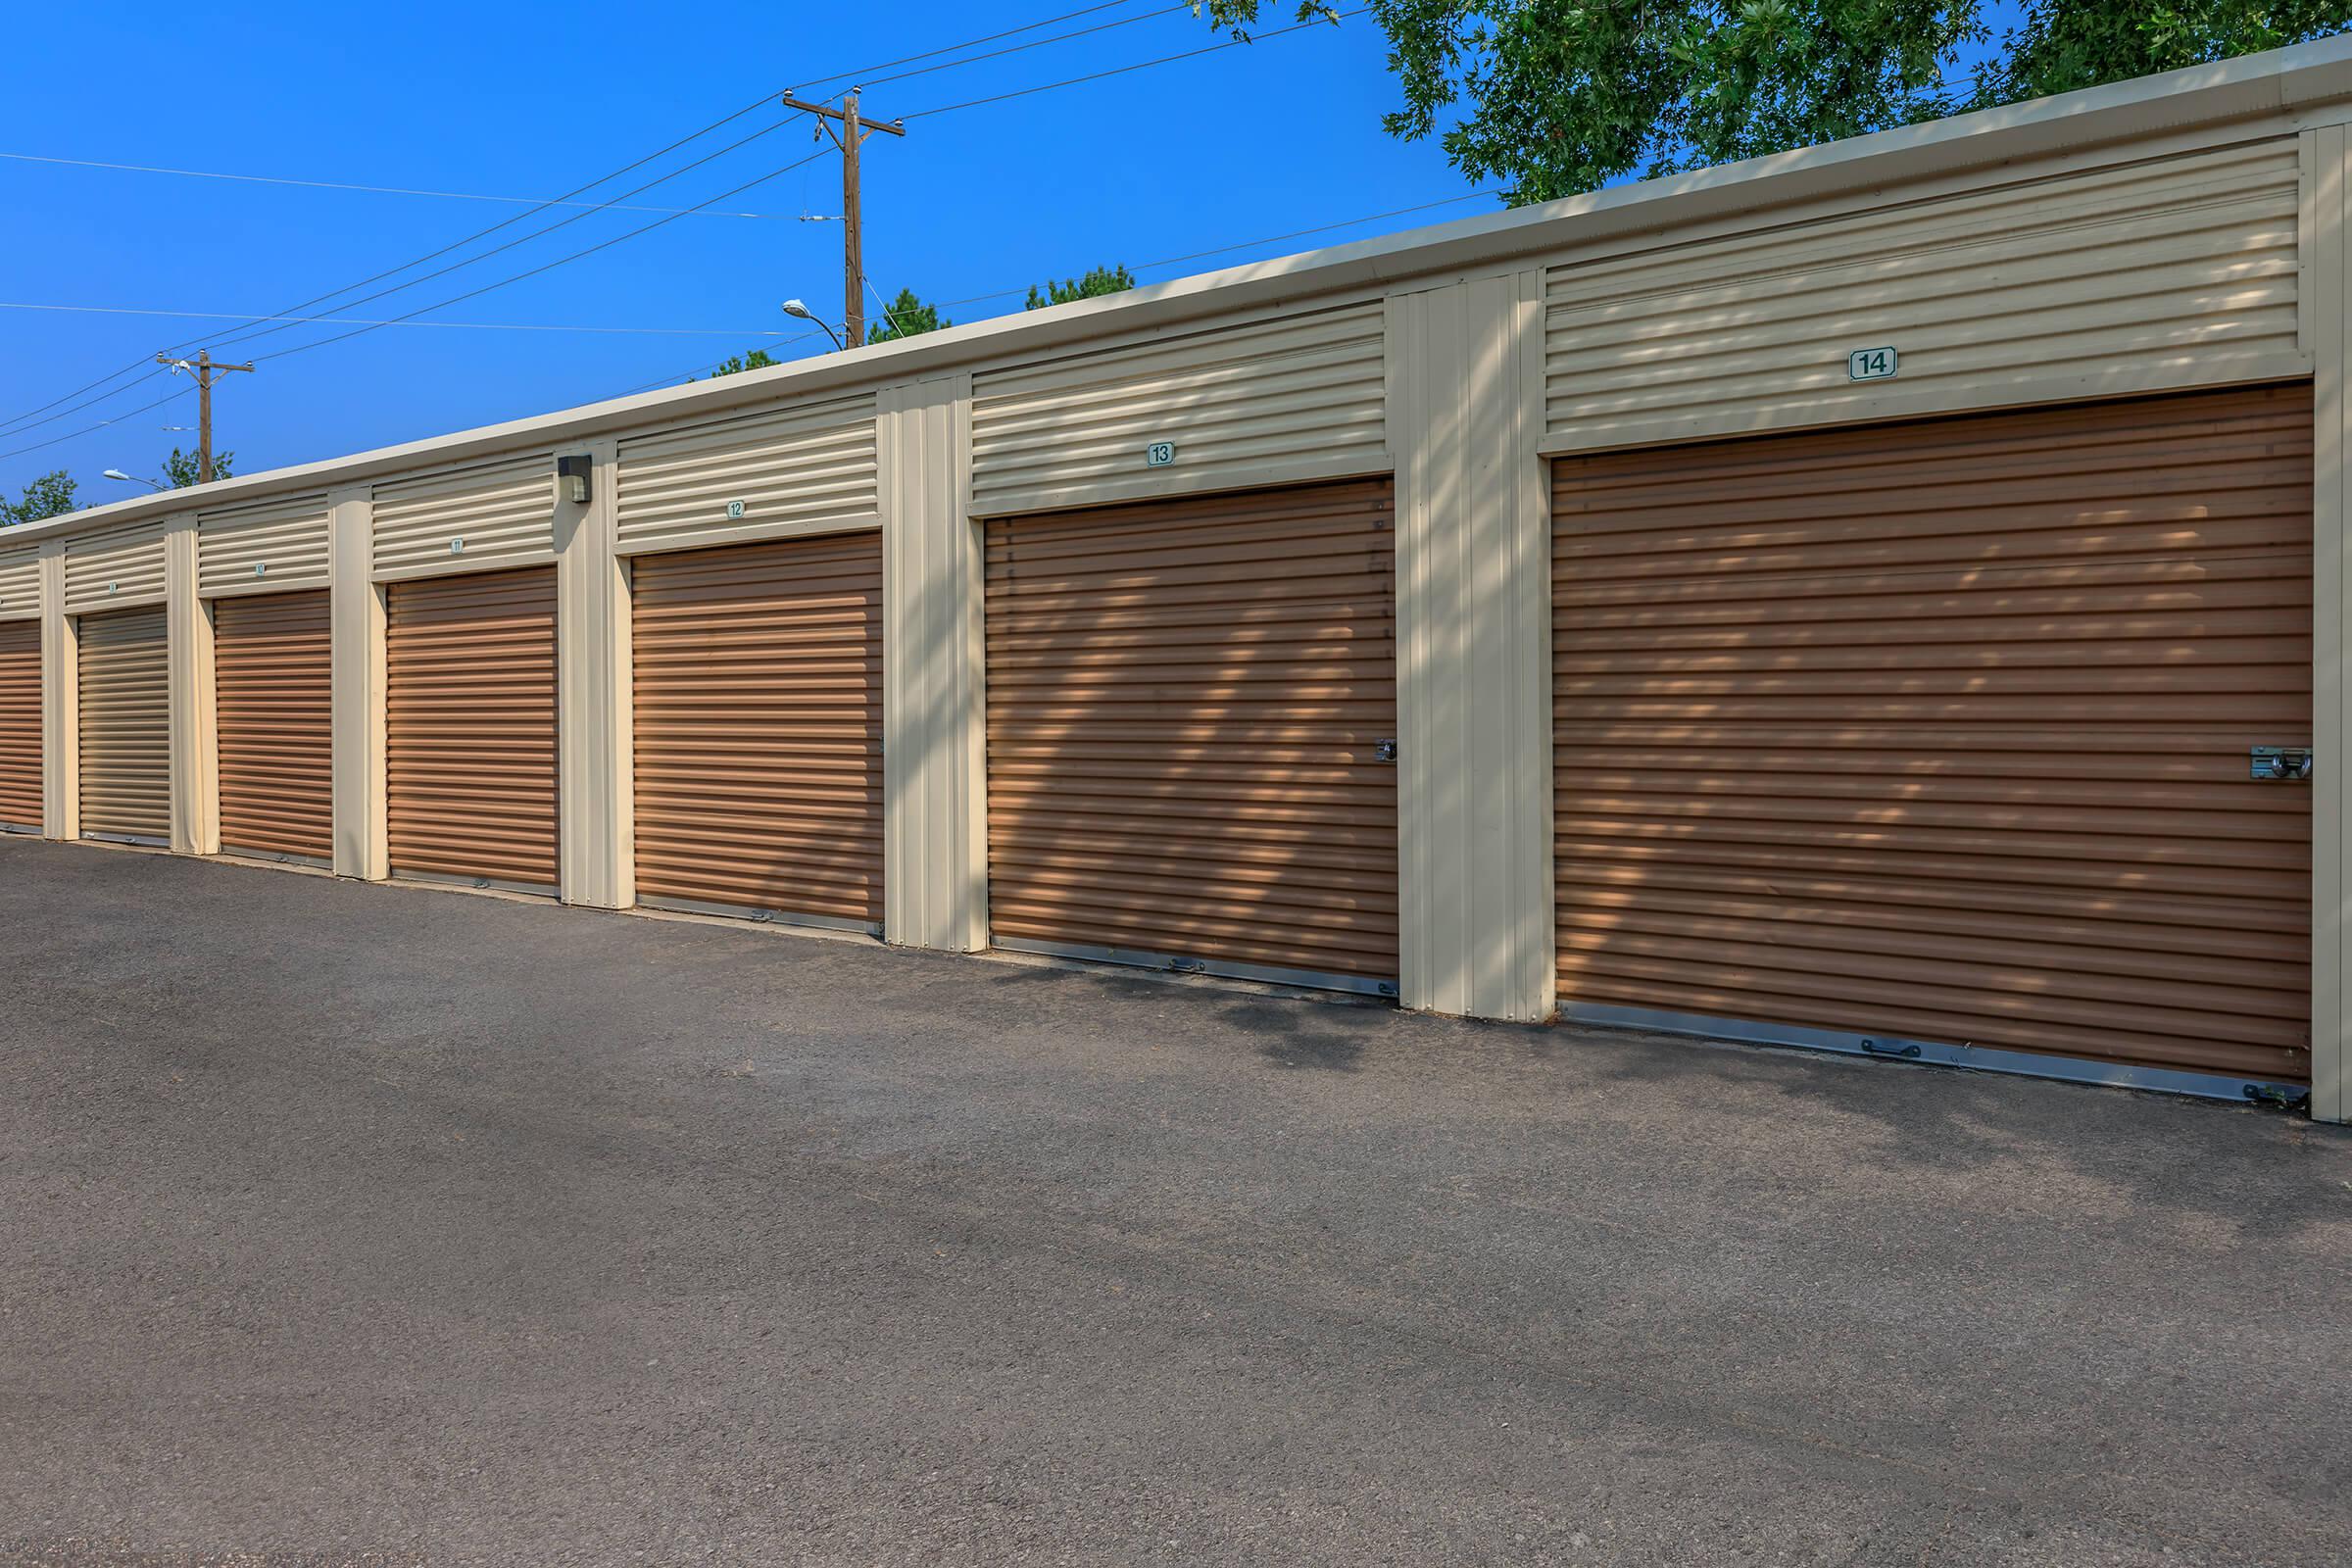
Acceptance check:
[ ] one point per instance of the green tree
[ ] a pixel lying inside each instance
(1553, 97)
(906, 317)
(49, 496)
(2059, 47)
(756, 360)
(1095, 284)
(185, 468)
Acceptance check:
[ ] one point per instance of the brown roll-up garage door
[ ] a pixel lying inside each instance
(1940, 730)
(759, 727)
(124, 701)
(1187, 703)
(20, 724)
(471, 727)
(273, 683)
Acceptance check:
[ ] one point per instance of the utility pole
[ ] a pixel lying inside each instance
(206, 373)
(853, 130)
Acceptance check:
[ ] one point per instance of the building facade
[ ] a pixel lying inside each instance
(1888, 597)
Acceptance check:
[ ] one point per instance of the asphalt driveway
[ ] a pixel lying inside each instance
(344, 1223)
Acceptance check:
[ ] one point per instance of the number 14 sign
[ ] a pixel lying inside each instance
(1870, 365)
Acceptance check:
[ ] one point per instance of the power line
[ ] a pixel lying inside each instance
(1141, 65)
(536, 233)
(545, 267)
(377, 190)
(1034, 43)
(172, 397)
(16, 425)
(1166, 261)
(1246, 244)
(18, 422)
(950, 48)
(723, 196)
(24, 422)
(345, 321)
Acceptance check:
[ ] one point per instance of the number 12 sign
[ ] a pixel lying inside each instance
(1870, 365)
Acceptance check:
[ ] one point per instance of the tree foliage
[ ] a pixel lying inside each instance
(49, 496)
(184, 469)
(906, 317)
(1553, 97)
(736, 365)
(1095, 284)
(2061, 47)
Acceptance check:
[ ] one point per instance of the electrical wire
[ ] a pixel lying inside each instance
(1141, 65)
(376, 191)
(16, 424)
(545, 267)
(171, 397)
(345, 321)
(1034, 43)
(1248, 244)
(950, 48)
(250, 334)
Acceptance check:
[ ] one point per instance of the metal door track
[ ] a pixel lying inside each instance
(1976, 1059)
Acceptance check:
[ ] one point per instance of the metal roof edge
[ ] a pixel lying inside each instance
(2272, 82)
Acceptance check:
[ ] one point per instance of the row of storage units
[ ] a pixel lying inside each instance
(1920, 700)
(1852, 728)
(1936, 730)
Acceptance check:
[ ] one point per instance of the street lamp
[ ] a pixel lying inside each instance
(133, 478)
(796, 308)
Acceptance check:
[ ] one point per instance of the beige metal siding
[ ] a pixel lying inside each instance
(20, 724)
(499, 516)
(124, 699)
(1185, 701)
(272, 548)
(792, 469)
(273, 684)
(21, 582)
(1940, 730)
(2175, 273)
(114, 568)
(470, 731)
(758, 726)
(1298, 398)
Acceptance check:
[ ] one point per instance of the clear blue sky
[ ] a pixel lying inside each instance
(531, 99)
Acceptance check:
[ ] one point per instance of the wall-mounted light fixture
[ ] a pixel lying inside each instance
(571, 478)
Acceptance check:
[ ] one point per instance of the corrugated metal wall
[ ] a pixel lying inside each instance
(19, 582)
(273, 685)
(20, 724)
(2172, 273)
(1298, 398)
(471, 520)
(1940, 730)
(758, 726)
(788, 468)
(471, 730)
(125, 724)
(270, 547)
(112, 568)
(1185, 701)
